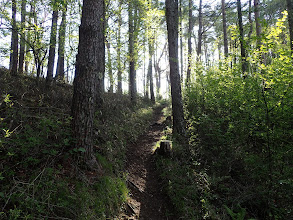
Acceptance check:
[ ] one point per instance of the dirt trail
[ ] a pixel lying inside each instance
(146, 200)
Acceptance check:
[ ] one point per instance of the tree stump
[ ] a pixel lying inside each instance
(165, 149)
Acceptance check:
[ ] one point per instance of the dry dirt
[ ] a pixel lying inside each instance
(146, 200)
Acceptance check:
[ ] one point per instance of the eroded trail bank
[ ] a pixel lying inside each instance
(146, 201)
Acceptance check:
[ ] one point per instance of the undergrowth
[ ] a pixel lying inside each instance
(238, 163)
(39, 178)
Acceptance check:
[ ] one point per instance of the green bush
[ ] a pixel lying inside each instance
(241, 138)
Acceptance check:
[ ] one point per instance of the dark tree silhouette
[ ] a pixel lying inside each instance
(61, 46)
(244, 63)
(51, 58)
(190, 26)
(89, 69)
(14, 42)
(225, 28)
(172, 27)
(22, 37)
(132, 74)
(290, 20)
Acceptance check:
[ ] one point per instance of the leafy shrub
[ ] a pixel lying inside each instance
(240, 138)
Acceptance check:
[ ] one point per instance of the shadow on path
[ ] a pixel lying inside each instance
(146, 201)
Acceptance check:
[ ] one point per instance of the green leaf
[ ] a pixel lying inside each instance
(81, 149)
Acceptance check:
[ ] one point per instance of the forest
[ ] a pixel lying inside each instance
(146, 109)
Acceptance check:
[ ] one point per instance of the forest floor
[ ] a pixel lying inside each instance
(146, 200)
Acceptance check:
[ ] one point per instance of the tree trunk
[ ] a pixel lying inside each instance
(158, 71)
(90, 66)
(119, 45)
(250, 19)
(290, 20)
(22, 37)
(132, 75)
(150, 72)
(181, 39)
(257, 22)
(110, 72)
(61, 47)
(147, 86)
(244, 63)
(199, 30)
(51, 58)
(172, 27)
(144, 70)
(28, 53)
(225, 29)
(158, 81)
(14, 42)
(190, 26)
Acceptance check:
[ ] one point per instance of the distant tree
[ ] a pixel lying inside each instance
(110, 70)
(28, 38)
(290, 20)
(132, 73)
(14, 42)
(244, 63)
(22, 37)
(51, 58)
(250, 19)
(225, 29)
(257, 22)
(119, 45)
(151, 37)
(190, 27)
(61, 45)
(159, 70)
(90, 66)
(177, 106)
(150, 70)
(200, 30)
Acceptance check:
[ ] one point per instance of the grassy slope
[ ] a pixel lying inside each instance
(38, 177)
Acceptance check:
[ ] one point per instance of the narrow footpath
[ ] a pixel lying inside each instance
(146, 201)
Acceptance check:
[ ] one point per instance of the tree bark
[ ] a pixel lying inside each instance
(199, 30)
(144, 69)
(61, 47)
(290, 20)
(190, 26)
(110, 71)
(181, 39)
(90, 66)
(250, 19)
(119, 45)
(28, 53)
(172, 27)
(14, 42)
(22, 37)
(244, 63)
(257, 22)
(51, 58)
(150, 72)
(132, 75)
(225, 29)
